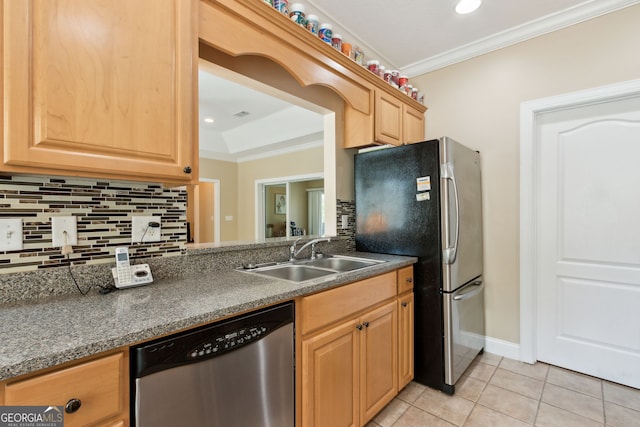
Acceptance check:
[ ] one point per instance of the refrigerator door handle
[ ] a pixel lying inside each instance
(451, 252)
(460, 296)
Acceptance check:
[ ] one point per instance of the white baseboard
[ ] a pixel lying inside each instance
(502, 348)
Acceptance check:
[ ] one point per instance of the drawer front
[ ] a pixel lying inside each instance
(405, 279)
(327, 307)
(98, 384)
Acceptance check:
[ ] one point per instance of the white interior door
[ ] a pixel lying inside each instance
(588, 239)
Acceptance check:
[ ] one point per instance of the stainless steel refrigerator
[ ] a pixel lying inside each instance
(425, 200)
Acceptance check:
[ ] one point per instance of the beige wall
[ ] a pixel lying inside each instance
(227, 174)
(297, 163)
(477, 102)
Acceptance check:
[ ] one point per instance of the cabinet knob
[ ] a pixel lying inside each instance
(366, 324)
(187, 169)
(359, 327)
(409, 279)
(72, 406)
(404, 304)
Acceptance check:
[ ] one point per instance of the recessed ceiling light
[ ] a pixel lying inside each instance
(208, 120)
(467, 6)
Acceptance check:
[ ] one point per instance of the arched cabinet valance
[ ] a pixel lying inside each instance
(252, 28)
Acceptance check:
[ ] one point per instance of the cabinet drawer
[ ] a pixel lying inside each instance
(326, 307)
(405, 279)
(98, 384)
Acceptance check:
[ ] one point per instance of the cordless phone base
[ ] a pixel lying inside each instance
(140, 275)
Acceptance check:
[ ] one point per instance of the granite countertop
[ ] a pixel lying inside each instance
(38, 335)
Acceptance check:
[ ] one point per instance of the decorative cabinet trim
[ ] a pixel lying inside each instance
(254, 28)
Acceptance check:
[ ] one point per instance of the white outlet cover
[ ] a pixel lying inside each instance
(141, 232)
(11, 234)
(60, 224)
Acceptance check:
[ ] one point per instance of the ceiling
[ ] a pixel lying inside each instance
(250, 120)
(416, 37)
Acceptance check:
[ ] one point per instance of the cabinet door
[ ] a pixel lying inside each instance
(405, 340)
(330, 392)
(412, 125)
(378, 360)
(388, 119)
(100, 87)
(99, 385)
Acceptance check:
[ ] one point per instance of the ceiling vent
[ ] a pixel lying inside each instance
(242, 114)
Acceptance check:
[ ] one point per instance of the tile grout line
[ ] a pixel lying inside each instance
(475, 403)
(604, 409)
(544, 386)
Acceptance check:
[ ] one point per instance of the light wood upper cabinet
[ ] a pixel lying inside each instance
(388, 119)
(412, 125)
(100, 88)
(373, 110)
(396, 122)
(395, 119)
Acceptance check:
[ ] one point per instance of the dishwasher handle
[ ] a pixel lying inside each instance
(469, 291)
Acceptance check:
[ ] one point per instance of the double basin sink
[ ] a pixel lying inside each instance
(303, 270)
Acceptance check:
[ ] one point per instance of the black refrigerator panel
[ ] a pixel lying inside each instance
(397, 199)
(429, 360)
(397, 193)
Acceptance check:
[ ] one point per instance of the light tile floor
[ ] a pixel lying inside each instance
(497, 392)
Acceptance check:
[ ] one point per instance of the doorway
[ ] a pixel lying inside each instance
(580, 257)
(285, 208)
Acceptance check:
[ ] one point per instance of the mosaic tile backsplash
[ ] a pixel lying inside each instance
(103, 210)
(347, 207)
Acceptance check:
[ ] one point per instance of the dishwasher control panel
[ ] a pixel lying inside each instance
(228, 341)
(209, 341)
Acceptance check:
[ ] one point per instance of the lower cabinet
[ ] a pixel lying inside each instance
(405, 339)
(349, 371)
(352, 361)
(91, 393)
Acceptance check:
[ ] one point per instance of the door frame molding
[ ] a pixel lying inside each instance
(529, 194)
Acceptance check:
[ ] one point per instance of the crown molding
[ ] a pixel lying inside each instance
(538, 27)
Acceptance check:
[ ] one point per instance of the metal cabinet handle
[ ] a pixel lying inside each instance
(187, 169)
(359, 327)
(404, 304)
(409, 279)
(72, 405)
(366, 324)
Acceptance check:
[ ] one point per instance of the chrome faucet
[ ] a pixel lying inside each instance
(293, 253)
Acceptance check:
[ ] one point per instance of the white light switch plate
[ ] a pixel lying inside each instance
(141, 232)
(60, 225)
(11, 234)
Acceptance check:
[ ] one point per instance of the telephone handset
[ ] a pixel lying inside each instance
(126, 275)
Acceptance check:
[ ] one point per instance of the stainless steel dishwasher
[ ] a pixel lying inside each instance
(235, 373)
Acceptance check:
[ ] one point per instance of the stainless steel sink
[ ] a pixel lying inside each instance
(341, 263)
(303, 270)
(292, 272)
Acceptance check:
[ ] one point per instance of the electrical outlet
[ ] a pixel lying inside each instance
(345, 221)
(142, 232)
(11, 234)
(64, 231)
